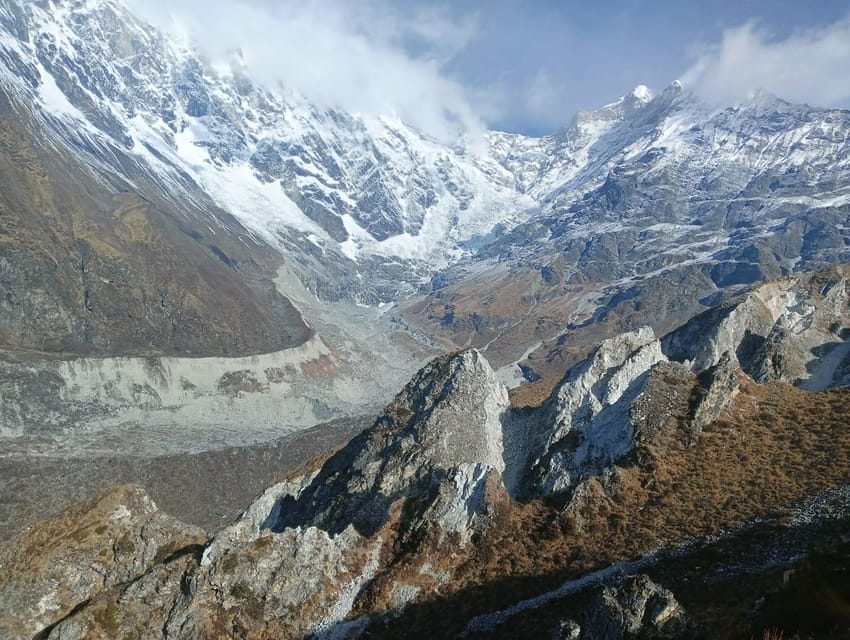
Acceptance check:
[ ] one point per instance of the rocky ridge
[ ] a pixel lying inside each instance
(680, 206)
(100, 545)
(115, 142)
(399, 512)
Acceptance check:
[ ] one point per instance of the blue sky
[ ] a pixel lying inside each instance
(592, 52)
(521, 66)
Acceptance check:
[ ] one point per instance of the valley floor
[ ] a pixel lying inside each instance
(208, 489)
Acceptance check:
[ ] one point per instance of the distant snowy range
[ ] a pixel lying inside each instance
(367, 192)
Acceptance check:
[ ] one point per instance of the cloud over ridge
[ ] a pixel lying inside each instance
(446, 68)
(811, 66)
(363, 57)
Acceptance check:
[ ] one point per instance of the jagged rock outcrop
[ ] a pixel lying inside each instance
(366, 526)
(793, 329)
(588, 413)
(48, 572)
(729, 328)
(421, 478)
(809, 345)
(635, 608)
(448, 416)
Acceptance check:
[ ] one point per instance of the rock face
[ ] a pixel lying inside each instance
(635, 608)
(589, 410)
(718, 386)
(793, 329)
(448, 417)
(422, 477)
(45, 574)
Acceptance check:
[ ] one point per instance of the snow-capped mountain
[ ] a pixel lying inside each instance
(190, 260)
(290, 172)
(648, 210)
(366, 208)
(670, 180)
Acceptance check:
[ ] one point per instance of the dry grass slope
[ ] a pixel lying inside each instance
(777, 446)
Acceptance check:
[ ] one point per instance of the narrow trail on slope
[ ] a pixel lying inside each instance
(525, 317)
(488, 622)
(823, 507)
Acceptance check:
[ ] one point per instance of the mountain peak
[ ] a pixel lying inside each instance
(641, 93)
(454, 405)
(673, 89)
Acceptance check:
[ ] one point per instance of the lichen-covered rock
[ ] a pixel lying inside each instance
(294, 582)
(150, 607)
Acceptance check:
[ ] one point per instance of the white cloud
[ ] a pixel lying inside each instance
(364, 56)
(811, 66)
(540, 93)
(537, 100)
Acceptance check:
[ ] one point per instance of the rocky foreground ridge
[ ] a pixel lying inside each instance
(454, 506)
